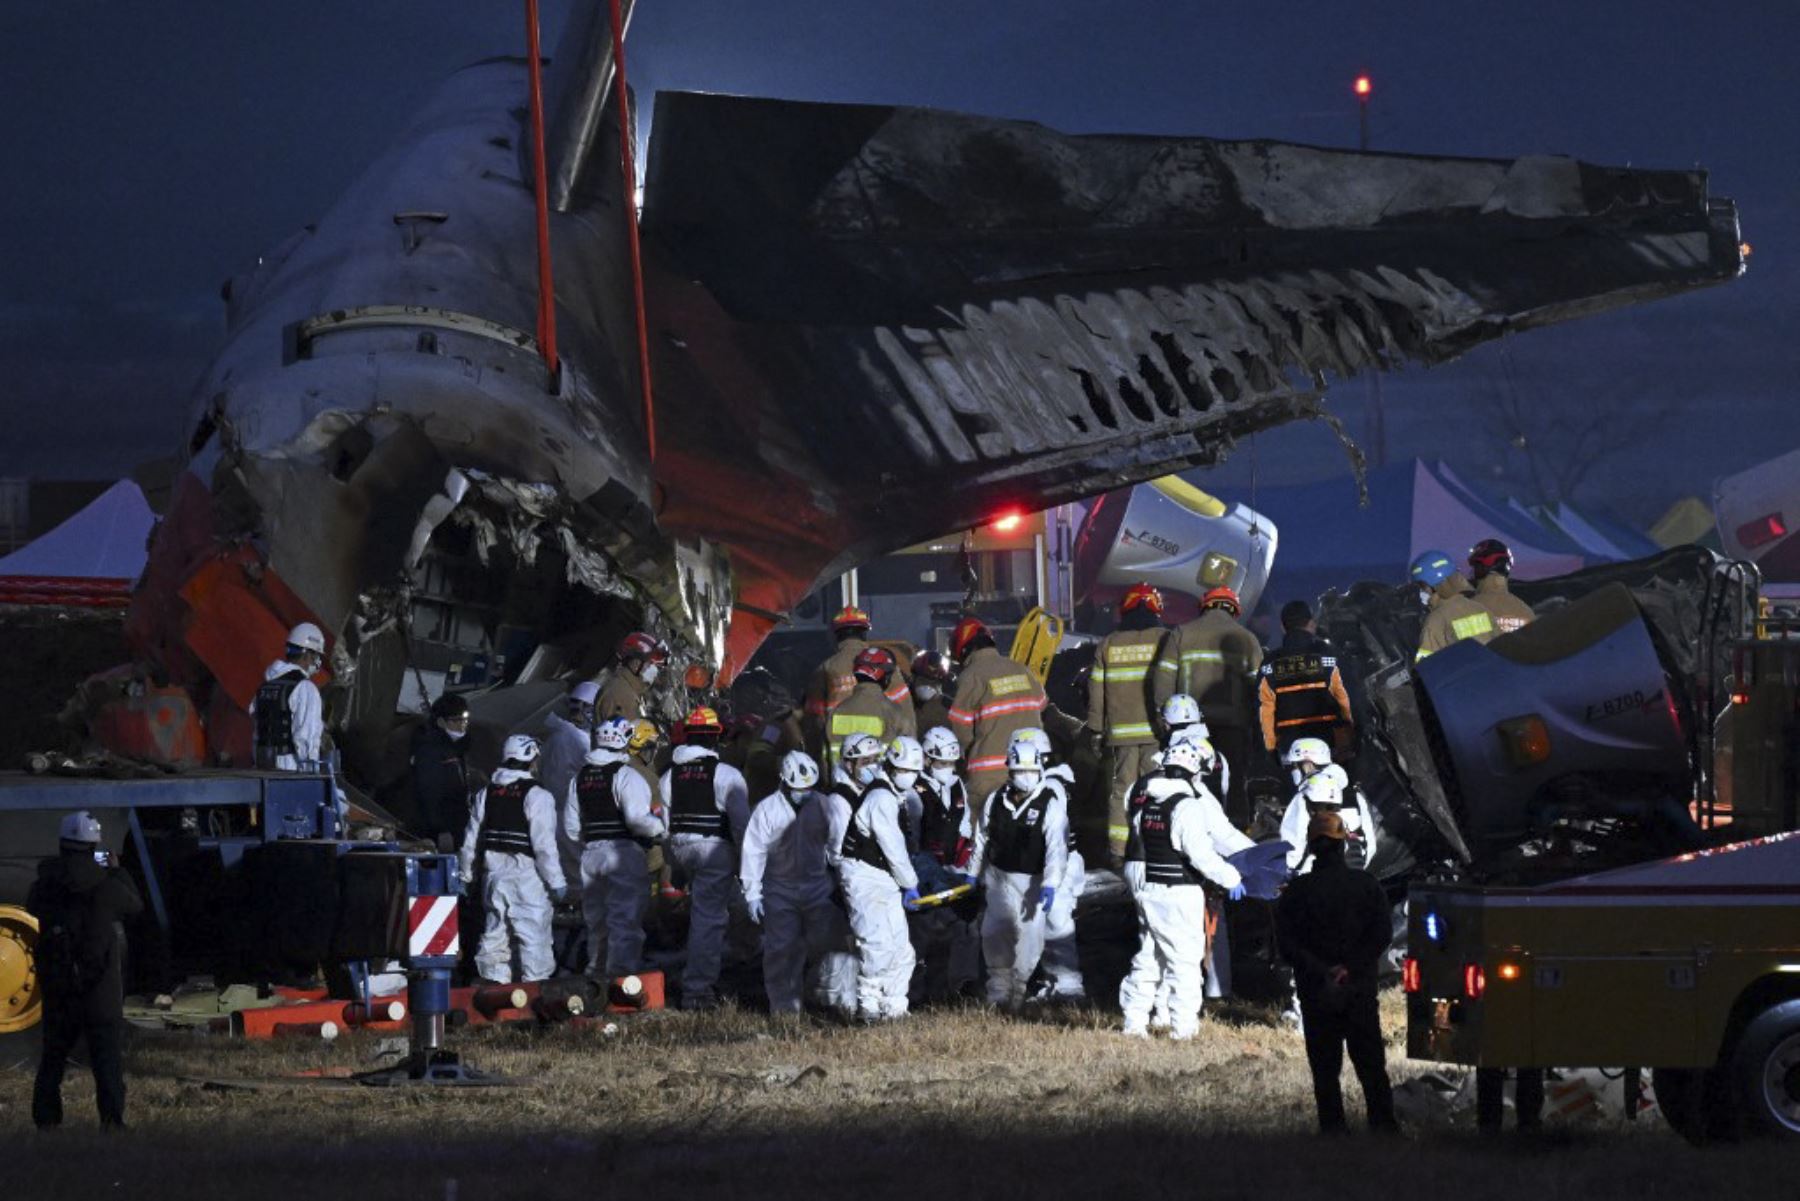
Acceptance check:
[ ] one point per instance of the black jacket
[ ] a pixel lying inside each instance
(1333, 915)
(440, 781)
(112, 899)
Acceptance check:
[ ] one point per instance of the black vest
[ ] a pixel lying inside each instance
(1163, 864)
(503, 823)
(940, 832)
(274, 720)
(1016, 843)
(1301, 682)
(1134, 802)
(858, 845)
(601, 820)
(693, 804)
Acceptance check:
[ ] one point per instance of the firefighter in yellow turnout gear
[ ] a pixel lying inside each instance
(1490, 566)
(835, 679)
(1454, 615)
(1119, 702)
(868, 710)
(1215, 660)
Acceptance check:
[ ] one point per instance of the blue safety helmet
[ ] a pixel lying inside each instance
(1432, 568)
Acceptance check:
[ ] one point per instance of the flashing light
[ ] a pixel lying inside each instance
(1409, 975)
(1762, 531)
(1744, 248)
(1474, 981)
(1509, 971)
(1434, 927)
(1363, 87)
(1740, 698)
(1006, 523)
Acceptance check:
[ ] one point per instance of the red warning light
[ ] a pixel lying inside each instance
(1363, 87)
(1006, 523)
(1763, 530)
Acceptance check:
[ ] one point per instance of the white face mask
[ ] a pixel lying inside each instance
(866, 774)
(648, 675)
(796, 796)
(904, 779)
(925, 692)
(456, 735)
(1026, 782)
(943, 772)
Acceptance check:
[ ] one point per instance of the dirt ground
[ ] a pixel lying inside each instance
(959, 1102)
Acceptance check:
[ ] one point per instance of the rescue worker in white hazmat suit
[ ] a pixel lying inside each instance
(287, 714)
(877, 875)
(1309, 760)
(612, 816)
(787, 888)
(512, 829)
(1022, 852)
(948, 940)
(1176, 833)
(707, 804)
(1061, 960)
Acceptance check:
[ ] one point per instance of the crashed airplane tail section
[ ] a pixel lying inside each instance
(888, 322)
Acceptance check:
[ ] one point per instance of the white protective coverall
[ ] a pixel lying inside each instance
(1172, 917)
(1013, 924)
(307, 712)
(877, 912)
(1062, 959)
(711, 865)
(805, 936)
(515, 889)
(1357, 821)
(615, 872)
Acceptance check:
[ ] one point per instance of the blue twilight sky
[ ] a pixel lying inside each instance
(152, 150)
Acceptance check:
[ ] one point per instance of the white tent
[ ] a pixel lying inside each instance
(93, 558)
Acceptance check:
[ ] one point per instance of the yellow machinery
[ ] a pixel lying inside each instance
(20, 1000)
(1040, 633)
(1690, 966)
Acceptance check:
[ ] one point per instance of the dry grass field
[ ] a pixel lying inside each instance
(951, 1103)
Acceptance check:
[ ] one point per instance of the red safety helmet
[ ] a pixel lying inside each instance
(1142, 594)
(1222, 598)
(704, 720)
(967, 631)
(930, 665)
(874, 663)
(1490, 554)
(639, 645)
(850, 618)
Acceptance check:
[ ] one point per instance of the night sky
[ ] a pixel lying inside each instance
(153, 150)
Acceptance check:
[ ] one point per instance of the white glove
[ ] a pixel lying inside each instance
(756, 910)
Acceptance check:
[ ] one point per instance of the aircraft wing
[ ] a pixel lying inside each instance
(874, 325)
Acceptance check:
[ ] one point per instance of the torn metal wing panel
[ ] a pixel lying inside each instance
(875, 324)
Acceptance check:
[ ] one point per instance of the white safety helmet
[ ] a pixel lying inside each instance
(1184, 755)
(81, 827)
(1034, 738)
(860, 746)
(798, 771)
(1182, 710)
(614, 734)
(1322, 791)
(1209, 754)
(905, 754)
(1024, 764)
(520, 748)
(1308, 750)
(308, 637)
(584, 693)
(940, 744)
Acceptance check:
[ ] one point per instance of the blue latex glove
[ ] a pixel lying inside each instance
(970, 880)
(756, 910)
(1047, 897)
(1236, 893)
(910, 898)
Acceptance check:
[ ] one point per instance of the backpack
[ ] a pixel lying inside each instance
(67, 963)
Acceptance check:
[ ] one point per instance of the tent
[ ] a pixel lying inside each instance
(92, 559)
(1328, 541)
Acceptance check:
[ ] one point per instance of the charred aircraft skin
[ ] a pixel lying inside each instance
(869, 325)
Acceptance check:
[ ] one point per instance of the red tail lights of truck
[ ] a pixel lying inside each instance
(1409, 975)
(1474, 981)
